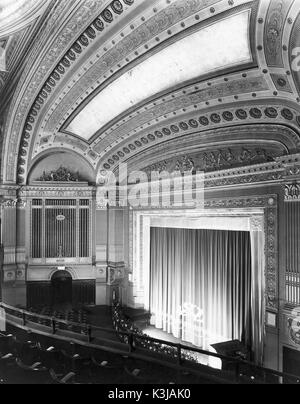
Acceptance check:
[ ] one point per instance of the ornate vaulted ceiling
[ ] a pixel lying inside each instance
(135, 81)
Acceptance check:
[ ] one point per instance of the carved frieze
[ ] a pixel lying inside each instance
(274, 31)
(196, 125)
(214, 160)
(65, 191)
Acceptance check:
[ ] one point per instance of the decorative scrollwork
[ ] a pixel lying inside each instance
(60, 175)
(292, 192)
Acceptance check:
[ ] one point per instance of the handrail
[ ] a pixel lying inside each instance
(57, 320)
(132, 339)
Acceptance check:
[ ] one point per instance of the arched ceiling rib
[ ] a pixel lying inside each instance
(99, 42)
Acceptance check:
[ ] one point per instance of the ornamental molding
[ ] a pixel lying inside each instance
(62, 191)
(198, 127)
(15, 122)
(213, 160)
(162, 17)
(256, 224)
(292, 192)
(269, 204)
(62, 174)
(180, 8)
(26, 13)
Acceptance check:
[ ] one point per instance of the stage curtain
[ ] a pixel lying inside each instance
(201, 286)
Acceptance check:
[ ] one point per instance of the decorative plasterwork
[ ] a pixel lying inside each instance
(62, 190)
(62, 174)
(143, 37)
(292, 192)
(184, 9)
(196, 124)
(269, 205)
(293, 49)
(17, 14)
(274, 20)
(31, 79)
(180, 9)
(214, 160)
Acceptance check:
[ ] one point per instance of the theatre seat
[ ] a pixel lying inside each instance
(60, 379)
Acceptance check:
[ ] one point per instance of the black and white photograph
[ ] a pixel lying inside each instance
(149, 195)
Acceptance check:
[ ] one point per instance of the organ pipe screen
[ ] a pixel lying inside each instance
(60, 228)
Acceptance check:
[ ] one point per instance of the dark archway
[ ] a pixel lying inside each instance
(61, 288)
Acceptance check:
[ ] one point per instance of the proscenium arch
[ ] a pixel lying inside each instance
(194, 141)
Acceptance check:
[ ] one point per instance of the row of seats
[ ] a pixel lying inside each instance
(66, 363)
(79, 316)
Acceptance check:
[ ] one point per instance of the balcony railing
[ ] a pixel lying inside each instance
(139, 345)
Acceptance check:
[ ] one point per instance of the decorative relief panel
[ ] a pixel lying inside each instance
(212, 160)
(274, 30)
(60, 175)
(193, 97)
(53, 191)
(294, 55)
(292, 192)
(281, 82)
(258, 114)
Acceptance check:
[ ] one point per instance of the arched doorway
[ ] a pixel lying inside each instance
(61, 288)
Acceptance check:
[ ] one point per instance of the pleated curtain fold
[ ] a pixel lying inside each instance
(201, 285)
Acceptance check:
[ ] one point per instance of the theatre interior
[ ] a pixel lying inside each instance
(110, 274)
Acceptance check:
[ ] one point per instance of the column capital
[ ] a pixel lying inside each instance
(292, 192)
